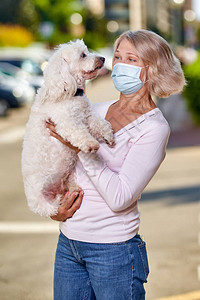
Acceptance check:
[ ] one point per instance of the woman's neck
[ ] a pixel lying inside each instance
(138, 102)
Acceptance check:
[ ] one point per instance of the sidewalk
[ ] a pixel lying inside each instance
(183, 131)
(172, 199)
(170, 204)
(169, 216)
(185, 137)
(188, 296)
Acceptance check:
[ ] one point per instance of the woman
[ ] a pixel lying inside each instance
(100, 254)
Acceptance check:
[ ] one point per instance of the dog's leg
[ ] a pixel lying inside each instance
(54, 185)
(72, 185)
(77, 134)
(101, 129)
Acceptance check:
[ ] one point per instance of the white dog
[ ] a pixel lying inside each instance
(47, 164)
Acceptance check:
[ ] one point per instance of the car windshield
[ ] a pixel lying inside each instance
(26, 65)
(31, 67)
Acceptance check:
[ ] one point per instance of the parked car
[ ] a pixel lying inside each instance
(15, 91)
(3, 107)
(11, 70)
(26, 64)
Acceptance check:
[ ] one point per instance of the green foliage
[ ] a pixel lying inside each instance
(31, 14)
(27, 15)
(192, 90)
(8, 11)
(57, 11)
(96, 34)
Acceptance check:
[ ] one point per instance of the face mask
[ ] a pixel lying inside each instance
(126, 78)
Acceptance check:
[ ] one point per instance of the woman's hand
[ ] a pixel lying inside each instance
(52, 130)
(70, 204)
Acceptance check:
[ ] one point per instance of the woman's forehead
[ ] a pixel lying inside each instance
(126, 47)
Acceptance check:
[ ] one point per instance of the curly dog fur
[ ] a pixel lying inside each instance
(47, 164)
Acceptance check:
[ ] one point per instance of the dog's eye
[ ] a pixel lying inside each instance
(83, 55)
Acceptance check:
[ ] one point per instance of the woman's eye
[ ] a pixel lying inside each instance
(132, 59)
(83, 55)
(116, 57)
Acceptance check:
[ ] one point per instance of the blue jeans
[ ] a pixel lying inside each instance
(96, 271)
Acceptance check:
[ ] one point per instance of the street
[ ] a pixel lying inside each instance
(170, 219)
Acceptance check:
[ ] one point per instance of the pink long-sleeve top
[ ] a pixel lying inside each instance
(114, 178)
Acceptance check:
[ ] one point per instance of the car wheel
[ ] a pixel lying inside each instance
(3, 107)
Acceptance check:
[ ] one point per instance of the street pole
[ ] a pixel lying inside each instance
(137, 14)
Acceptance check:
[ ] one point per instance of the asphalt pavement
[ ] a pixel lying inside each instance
(170, 213)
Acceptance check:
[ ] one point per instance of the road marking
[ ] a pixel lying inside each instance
(12, 136)
(189, 296)
(29, 227)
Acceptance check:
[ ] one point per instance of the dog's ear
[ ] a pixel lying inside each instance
(58, 82)
(70, 85)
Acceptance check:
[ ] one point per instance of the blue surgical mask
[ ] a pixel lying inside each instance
(126, 78)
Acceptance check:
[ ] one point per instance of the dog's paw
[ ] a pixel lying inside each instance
(90, 147)
(105, 133)
(108, 138)
(110, 142)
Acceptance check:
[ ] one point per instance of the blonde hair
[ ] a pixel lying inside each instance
(165, 75)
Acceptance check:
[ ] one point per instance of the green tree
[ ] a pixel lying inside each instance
(96, 33)
(8, 11)
(34, 15)
(59, 12)
(191, 92)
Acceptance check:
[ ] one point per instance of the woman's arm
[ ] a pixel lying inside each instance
(120, 190)
(52, 130)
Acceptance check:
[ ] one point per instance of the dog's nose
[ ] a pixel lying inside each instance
(102, 59)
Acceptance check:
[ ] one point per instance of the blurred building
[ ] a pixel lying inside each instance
(97, 6)
(170, 18)
(129, 14)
